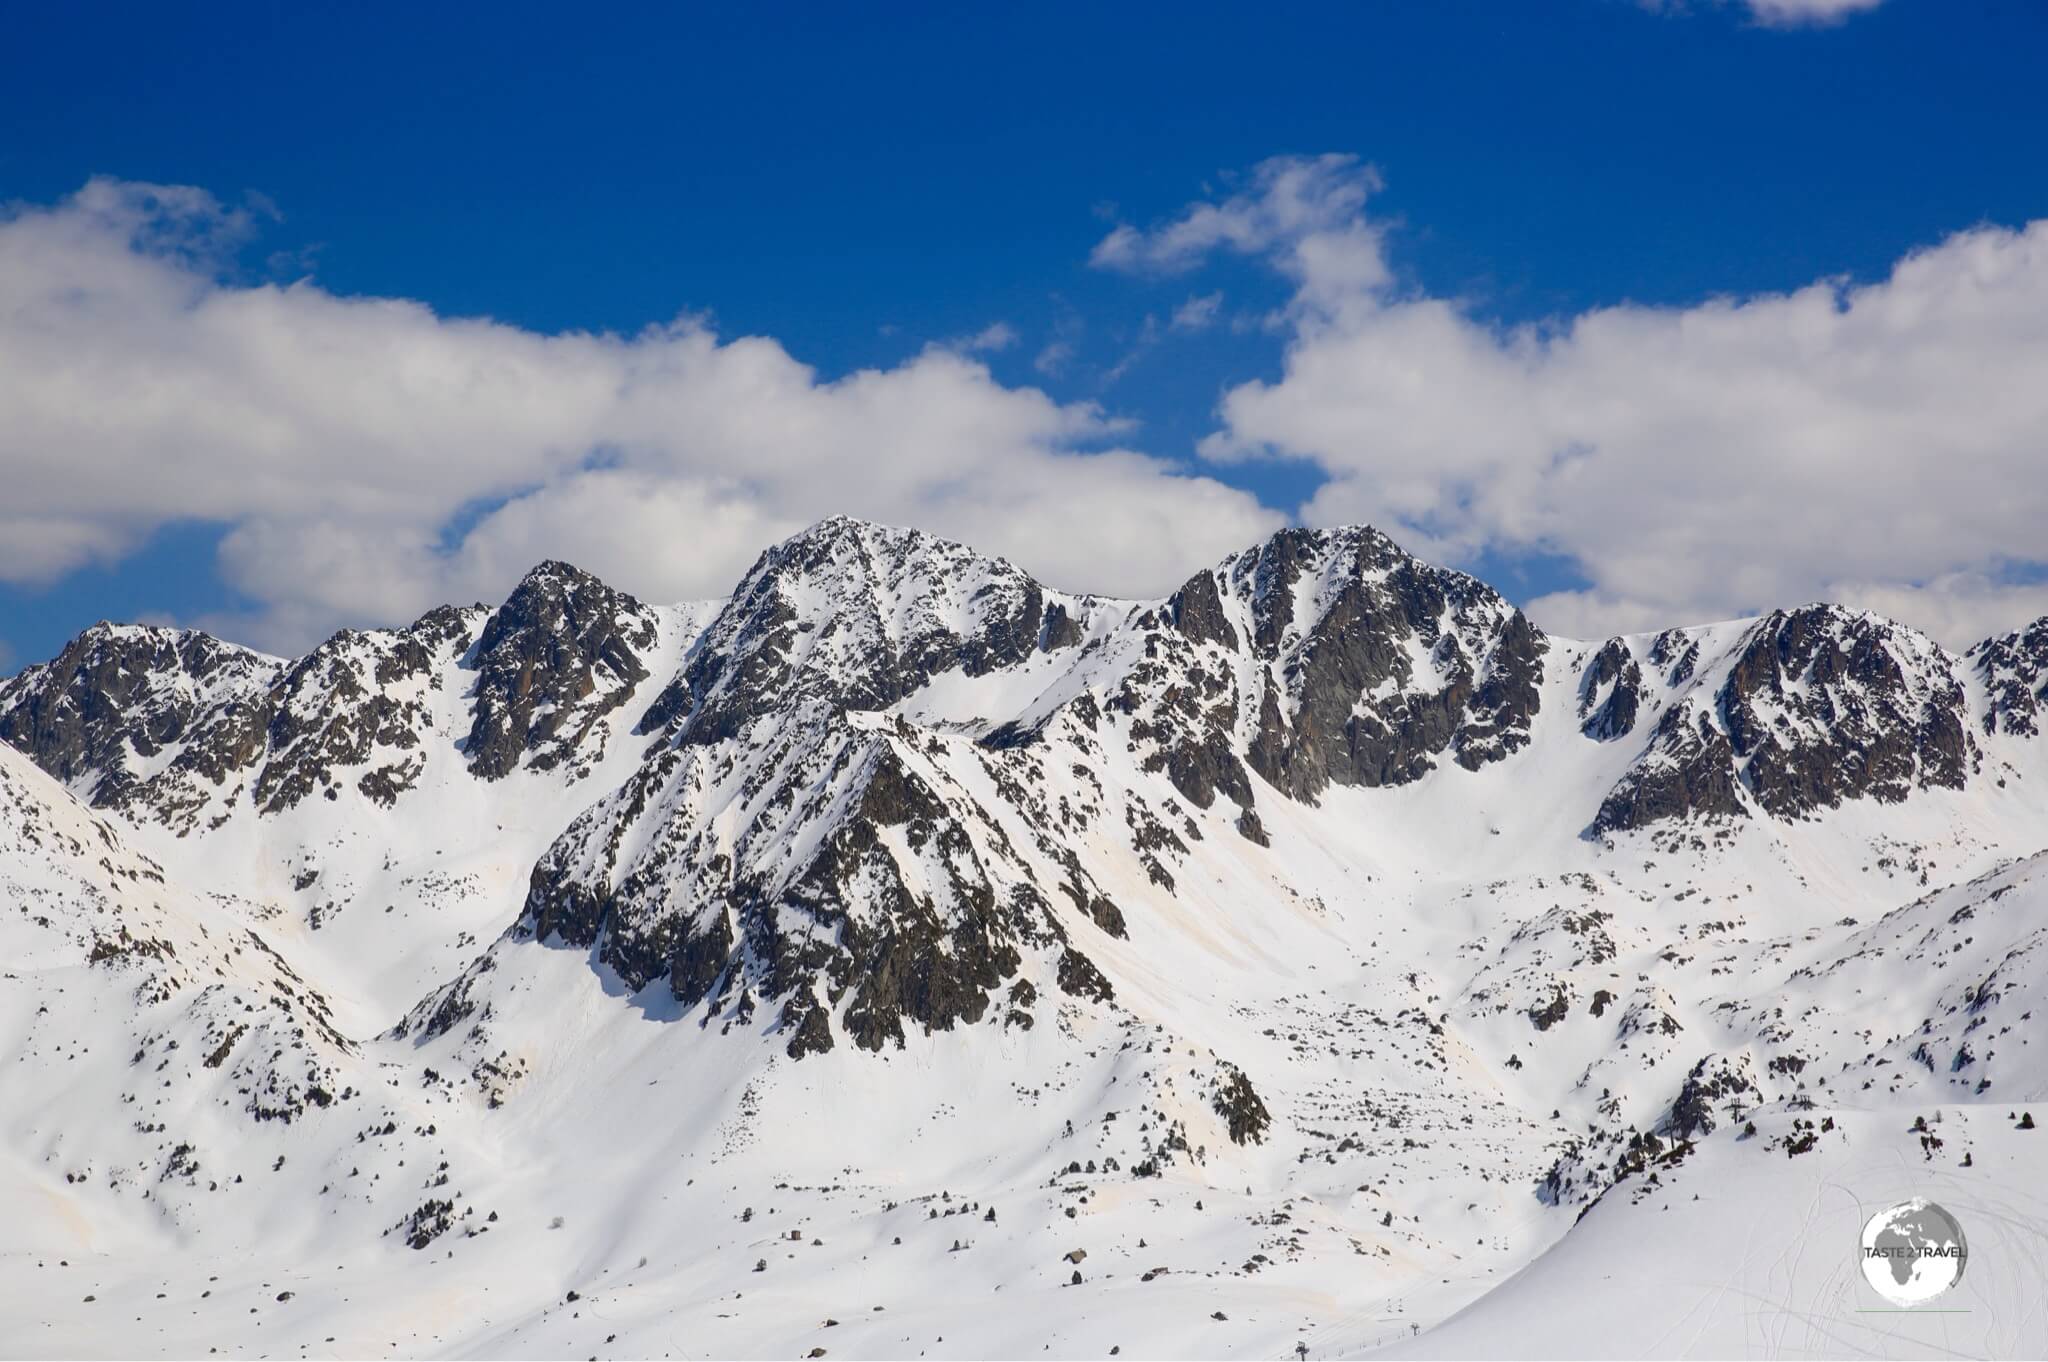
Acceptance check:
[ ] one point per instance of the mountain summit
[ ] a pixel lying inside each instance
(1324, 927)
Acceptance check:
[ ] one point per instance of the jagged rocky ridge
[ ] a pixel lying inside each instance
(1325, 893)
(795, 840)
(1808, 708)
(1318, 658)
(175, 726)
(812, 833)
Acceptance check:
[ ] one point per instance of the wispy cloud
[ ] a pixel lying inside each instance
(1284, 201)
(991, 338)
(1054, 358)
(1146, 340)
(1303, 214)
(1198, 313)
(1776, 13)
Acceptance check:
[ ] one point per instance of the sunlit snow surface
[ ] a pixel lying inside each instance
(622, 1179)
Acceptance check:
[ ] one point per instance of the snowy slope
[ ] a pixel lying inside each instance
(1308, 950)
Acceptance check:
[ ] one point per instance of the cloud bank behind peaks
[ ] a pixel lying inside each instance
(369, 457)
(1884, 443)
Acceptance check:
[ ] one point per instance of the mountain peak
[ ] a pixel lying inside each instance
(564, 650)
(1811, 706)
(857, 614)
(552, 575)
(2013, 667)
(1359, 550)
(1079, 858)
(885, 554)
(122, 692)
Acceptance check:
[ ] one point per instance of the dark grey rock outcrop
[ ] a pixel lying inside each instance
(561, 653)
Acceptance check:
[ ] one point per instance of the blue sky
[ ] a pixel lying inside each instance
(861, 184)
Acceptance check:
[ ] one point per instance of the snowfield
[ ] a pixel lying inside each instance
(901, 958)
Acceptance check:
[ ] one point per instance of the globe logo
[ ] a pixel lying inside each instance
(1913, 1252)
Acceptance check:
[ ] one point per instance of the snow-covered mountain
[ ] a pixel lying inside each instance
(902, 954)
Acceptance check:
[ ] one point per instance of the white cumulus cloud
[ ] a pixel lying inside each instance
(370, 457)
(1884, 442)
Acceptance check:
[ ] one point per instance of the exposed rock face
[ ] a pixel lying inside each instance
(179, 727)
(175, 726)
(143, 718)
(1610, 693)
(2014, 671)
(1181, 700)
(1327, 656)
(1811, 707)
(861, 789)
(1378, 663)
(1197, 611)
(359, 702)
(1017, 876)
(1677, 653)
(1828, 704)
(561, 653)
(1711, 1085)
(1062, 629)
(1323, 655)
(1238, 1103)
(858, 880)
(780, 852)
(1688, 772)
(860, 616)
